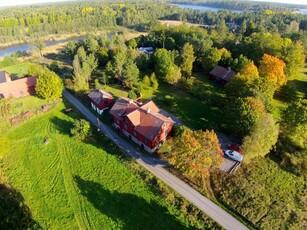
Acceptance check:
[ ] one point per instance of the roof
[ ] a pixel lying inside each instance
(98, 95)
(146, 118)
(4, 77)
(19, 87)
(123, 106)
(222, 73)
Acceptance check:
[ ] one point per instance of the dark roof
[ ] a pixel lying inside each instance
(222, 73)
(98, 95)
(123, 106)
(4, 76)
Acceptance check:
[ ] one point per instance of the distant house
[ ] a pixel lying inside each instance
(221, 74)
(100, 100)
(142, 123)
(147, 50)
(16, 88)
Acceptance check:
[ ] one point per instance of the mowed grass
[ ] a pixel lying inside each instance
(78, 185)
(19, 70)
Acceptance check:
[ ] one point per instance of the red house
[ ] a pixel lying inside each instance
(100, 100)
(221, 74)
(16, 88)
(142, 123)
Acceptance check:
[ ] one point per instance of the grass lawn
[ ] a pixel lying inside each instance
(19, 70)
(72, 185)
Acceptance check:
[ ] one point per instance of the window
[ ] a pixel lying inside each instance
(134, 133)
(145, 140)
(106, 102)
(125, 126)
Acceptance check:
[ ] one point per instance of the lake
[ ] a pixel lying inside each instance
(214, 9)
(203, 8)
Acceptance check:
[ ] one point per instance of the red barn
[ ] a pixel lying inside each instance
(16, 88)
(100, 100)
(142, 123)
(221, 74)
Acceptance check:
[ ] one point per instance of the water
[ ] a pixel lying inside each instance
(204, 8)
(214, 9)
(303, 11)
(27, 47)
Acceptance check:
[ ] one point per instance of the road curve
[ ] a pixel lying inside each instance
(155, 167)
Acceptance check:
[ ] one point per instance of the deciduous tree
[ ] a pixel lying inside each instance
(194, 153)
(273, 68)
(262, 138)
(49, 85)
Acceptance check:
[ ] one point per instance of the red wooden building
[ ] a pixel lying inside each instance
(142, 123)
(221, 74)
(100, 100)
(16, 88)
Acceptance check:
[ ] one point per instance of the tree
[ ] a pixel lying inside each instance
(211, 59)
(80, 82)
(146, 82)
(34, 70)
(296, 114)
(132, 43)
(119, 61)
(173, 75)
(132, 95)
(294, 57)
(242, 114)
(273, 68)
(194, 153)
(39, 44)
(130, 74)
(49, 85)
(81, 129)
(187, 59)
(262, 138)
(154, 81)
(163, 61)
(250, 72)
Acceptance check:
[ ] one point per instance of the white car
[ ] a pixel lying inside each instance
(234, 155)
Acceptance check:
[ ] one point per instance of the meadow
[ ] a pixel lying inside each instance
(79, 185)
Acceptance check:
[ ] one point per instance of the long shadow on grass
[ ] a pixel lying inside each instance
(132, 211)
(62, 125)
(14, 213)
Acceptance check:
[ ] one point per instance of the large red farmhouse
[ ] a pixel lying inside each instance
(16, 88)
(100, 100)
(221, 74)
(142, 123)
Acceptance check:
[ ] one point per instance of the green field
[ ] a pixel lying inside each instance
(71, 185)
(19, 70)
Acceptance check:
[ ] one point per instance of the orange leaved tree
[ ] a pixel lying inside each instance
(273, 68)
(194, 153)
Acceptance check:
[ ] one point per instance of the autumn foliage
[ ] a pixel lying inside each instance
(194, 153)
(273, 68)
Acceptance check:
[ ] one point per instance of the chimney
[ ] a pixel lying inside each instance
(148, 110)
(130, 101)
(229, 68)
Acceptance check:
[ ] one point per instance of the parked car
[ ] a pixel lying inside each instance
(234, 155)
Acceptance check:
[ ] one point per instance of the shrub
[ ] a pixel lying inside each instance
(81, 129)
(132, 95)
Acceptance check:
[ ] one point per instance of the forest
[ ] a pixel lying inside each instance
(264, 105)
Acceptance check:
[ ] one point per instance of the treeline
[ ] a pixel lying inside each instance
(242, 5)
(37, 21)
